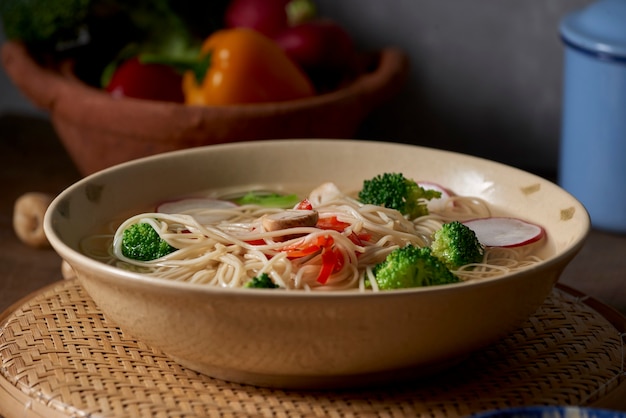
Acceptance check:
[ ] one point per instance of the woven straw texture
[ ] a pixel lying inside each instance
(59, 357)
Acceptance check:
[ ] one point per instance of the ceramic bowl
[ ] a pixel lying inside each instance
(310, 339)
(99, 131)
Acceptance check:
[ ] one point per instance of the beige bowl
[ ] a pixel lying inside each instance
(99, 131)
(304, 340)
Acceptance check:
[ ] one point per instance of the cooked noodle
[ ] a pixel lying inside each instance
(235, 247)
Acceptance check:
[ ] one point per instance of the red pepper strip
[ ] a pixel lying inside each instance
(332, 261)
(331, 222)
(303, 252)
(296, 252)
(356, 240)
(339, 260)
(326, 241)
(256, 242)
(365, 236)
(304, 205)
(328, 265)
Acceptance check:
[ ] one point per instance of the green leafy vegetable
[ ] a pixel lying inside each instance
(272, 200)
(142, 242)
(412, 266)
(263, 281)
(457, 245)
(394, 191)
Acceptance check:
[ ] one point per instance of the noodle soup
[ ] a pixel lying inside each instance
(227, 244)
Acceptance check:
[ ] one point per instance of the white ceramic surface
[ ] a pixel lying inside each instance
(303, 340)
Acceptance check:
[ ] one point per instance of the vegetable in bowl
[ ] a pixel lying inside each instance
(141, 241)
(395, 191)
(327, 240)
(412, 266)
(456, 245)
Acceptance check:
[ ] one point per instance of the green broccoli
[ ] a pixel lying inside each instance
(412, 266)
(272, 200)
(455, 244)
(263, 281)
(394, 191)
(142, 242)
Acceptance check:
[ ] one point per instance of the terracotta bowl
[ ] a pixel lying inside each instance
(99, 131)
(298, 339)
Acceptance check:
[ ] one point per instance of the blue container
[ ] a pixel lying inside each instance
(592, 162)
(551, 412)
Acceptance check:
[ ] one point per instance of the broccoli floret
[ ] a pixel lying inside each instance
(412, 266)
(142, 242)
(394, 191)
(455, 244)
(272, 200)
(262, 281)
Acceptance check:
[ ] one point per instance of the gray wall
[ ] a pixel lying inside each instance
(485, 76)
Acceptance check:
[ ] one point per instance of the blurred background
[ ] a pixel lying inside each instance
(485, 75)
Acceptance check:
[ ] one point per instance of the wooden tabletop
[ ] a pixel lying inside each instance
(33, 159)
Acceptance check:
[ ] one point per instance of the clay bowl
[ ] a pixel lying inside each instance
(298, 339)
(99, 131)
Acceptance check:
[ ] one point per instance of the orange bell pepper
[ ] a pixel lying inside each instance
(244, 66)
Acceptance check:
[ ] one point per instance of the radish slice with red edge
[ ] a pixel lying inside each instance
(429, 185)
(434, 205)
(505, 232)
(183, 206)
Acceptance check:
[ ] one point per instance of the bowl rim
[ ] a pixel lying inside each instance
(115, 274)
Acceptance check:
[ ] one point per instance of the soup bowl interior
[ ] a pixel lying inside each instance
(298, 339)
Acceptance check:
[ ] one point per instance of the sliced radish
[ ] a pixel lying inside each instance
(429, 185)
(193, 203)
(184, 206)
(439, 203)
(324, 193)
(505, 232)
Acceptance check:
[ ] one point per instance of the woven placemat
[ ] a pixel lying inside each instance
(61, 357)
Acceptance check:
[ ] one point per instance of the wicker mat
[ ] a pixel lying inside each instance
(60, 357)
